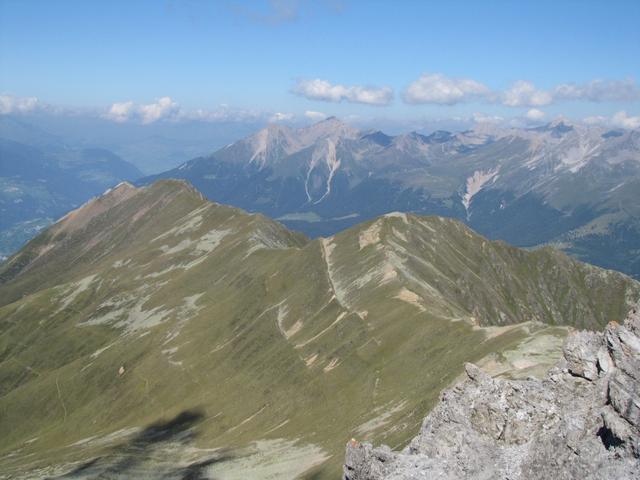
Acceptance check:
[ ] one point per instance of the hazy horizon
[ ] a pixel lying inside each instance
(292, 61)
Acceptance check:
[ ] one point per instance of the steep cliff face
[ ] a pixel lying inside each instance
(581, 421)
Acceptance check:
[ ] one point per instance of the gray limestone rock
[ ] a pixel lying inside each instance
(580, 350)
(581, 422)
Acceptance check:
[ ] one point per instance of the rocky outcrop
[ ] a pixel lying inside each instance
(581, 422)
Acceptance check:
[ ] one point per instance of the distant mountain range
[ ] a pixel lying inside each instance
(152, 148)
(39, 184)
(154, 334)
(574, 186)
(50, 164)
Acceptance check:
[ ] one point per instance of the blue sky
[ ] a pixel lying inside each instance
(374, 59)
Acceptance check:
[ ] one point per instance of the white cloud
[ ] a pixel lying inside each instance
(535, 114)
(621, 119)
(10, 104)
(223, 113)
(315, 116)
(441, 90)
(524, 94)
(281, 117)
(595, 120)
(163, 108)
(478, 117)
(599, 91)
(323, 90)
(120, 112)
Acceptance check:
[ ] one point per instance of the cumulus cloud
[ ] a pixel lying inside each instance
(524, 94)
(325, 91)
(10, 104)
(163, 108)
(438, 89)
(535, 114)
(599, 91)
(315, 116)
(120, 112)
(621, 119)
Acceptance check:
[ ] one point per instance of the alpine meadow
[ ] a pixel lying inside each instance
(332, 239)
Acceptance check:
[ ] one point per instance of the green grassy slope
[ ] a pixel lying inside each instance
(154, 333)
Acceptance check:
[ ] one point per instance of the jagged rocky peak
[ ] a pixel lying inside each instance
(271, 142)
(576, 190)
(275, 142)
(332, 128)
(559, 127)
(560, 122)
(581, 421)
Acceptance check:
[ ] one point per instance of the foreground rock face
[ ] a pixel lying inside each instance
(582, 421)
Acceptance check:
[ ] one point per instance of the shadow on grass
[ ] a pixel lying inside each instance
(148, 454)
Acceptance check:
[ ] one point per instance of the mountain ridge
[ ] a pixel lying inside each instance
(168, 308)
(569, 185)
